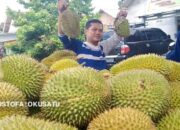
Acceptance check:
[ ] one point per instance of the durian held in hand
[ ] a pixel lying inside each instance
(68, 20)
(121, 24)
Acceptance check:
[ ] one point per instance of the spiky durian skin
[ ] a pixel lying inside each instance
(145, 90)
(25, 73)
(12, 100)
(146, 61)
(57, 55)
(1, 72)
(70, 23)
(26, 123)
(122, 27)
(48, 75)
(175, 95)
(174, 73)
(122, 119)
(106, 73)
(170, 121)
(38, 115)
(63, 64)
(81, 92)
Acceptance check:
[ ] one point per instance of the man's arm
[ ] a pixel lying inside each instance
(60, 32)
(62, 5)
(64, 39)
(110, 43)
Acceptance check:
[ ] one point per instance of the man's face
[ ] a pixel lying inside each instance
(94, 33)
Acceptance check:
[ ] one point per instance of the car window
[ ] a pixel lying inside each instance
(160, 34)
(138, 36)
(150, 35)
(155, 34)
(142, 36)
(130, 38)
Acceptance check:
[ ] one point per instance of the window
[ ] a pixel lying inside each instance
(150, 35)
(155, 34)
(142, 36)
(138, 36)
(160, 34)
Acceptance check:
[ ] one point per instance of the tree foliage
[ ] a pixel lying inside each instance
(37, 25)
(82, 7)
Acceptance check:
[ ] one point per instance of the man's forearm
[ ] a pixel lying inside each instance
(59, 25)
(110, 43)
(62, 5)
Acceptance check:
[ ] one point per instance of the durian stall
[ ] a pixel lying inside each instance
(139, 93)
(58, 93)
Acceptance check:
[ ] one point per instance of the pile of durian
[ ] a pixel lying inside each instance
(139, 93)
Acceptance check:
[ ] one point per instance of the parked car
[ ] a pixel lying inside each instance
(141, 41)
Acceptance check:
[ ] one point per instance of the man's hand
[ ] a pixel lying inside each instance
(121, 23)
(122, 13)
(62, 5)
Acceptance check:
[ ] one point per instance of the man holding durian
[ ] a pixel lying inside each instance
(90, 53)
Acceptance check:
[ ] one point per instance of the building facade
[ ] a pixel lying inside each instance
(5, 40)
(106, 19)
(163, 14)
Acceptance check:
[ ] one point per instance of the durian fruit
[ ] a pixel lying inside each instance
(57, 55)
(174, 73)
(106, 73)
(26, 123)
(146, 61)
(170, 121)
(25, 73)
(70, 23)
(63, 64)
(81, 93)
(175, 95)
(145, 90)
(48, 75)
(44, 67)
(122, 27)
(121, 23)
(122, 119)
(38, 115)
(1, 72)
(12, 100)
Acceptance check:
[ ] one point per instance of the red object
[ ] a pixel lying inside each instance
(124, 49)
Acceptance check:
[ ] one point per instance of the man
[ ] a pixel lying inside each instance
(90, 53)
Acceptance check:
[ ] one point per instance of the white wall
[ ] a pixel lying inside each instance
(139, 8)
(136, 8)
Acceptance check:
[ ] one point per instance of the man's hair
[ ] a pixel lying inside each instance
(89, 22)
